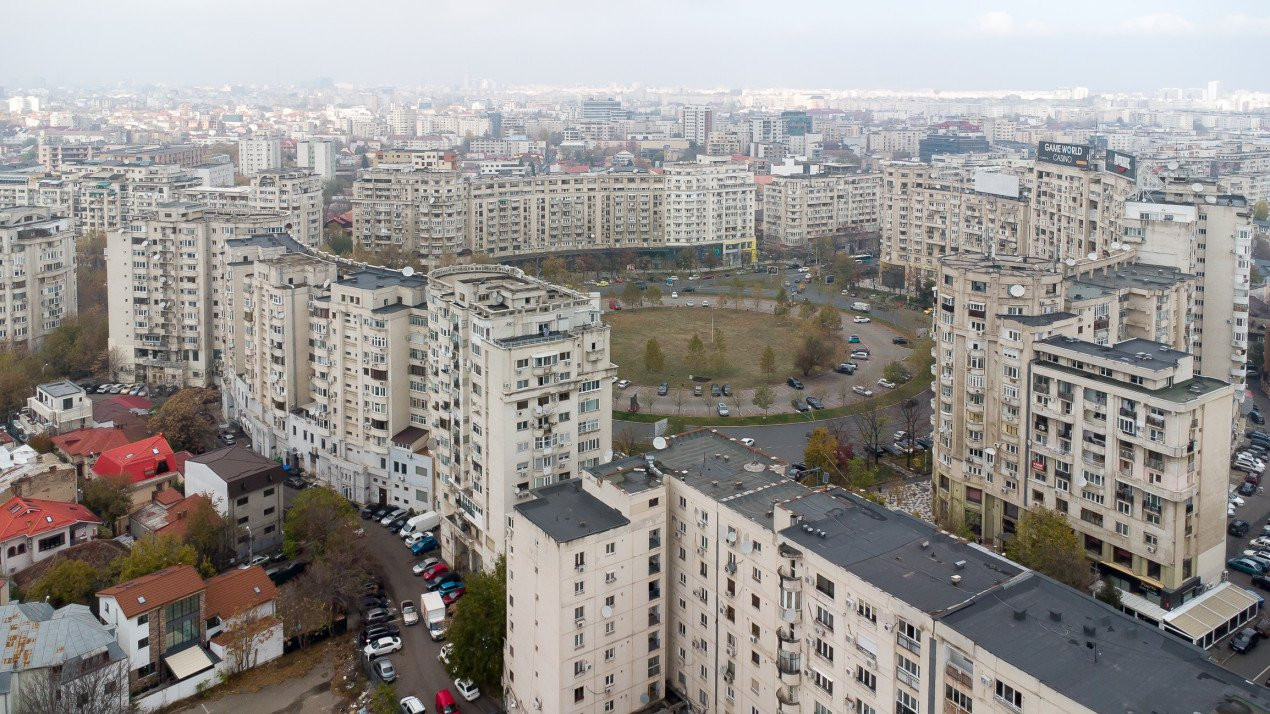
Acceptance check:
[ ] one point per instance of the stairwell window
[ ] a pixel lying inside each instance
(1008, 696)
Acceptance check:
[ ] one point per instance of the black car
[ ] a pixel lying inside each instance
(368, 512)
(1238, 529)
(815, 403)
(641, 284)
(370, 602)
(1244, 640)
(377, 631)
(800, 406)
(794, 382)
(845, 368)
(714, 390)
(1247, 489)
(298, 483)
(381, 511)
(1261, 581)
(899, 341)
(727, 390)
(663, 389)
(398, 523)
(285, 573)
(442, 579)
(922, 442)
(687, 289)
(1255, 417)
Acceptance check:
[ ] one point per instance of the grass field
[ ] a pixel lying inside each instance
(746, 335)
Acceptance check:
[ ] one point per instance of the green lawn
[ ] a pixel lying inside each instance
(745, 334)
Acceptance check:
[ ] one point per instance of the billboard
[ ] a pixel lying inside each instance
(1052, 152)
(997, 184)
(1122, 164)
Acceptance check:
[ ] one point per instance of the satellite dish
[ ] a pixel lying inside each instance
(1173, 165)
(407, 271)
(537, 409)
(1115, 245)
(1210, 199)
(990, 451)
(731, 537)
(326, 285)
(608, 456)
(145, 243)
(432, 443)
(1092, 256)
(659, 443)
(1197, 187)
(643, 699)
(747, 546)
(606, 611)
(1070, 262)
(1017, 290)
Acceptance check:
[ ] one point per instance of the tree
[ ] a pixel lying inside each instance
(782, 297)
(844, 270)
(73, 687)
(696, 349)
(821, 451)
(553, 269)
(152, 553)
(679, 400)
(479, 628)
(242, 638)
(828, 320)
(1109, 593)
(763, 398)
(912, 419)
(317, 518)
(1045, 543)
(1261, 210)
(67, 581)
(109, 498)
(719, 340)
(185, 419)
(813, 352)
(654, 360)
(895, 372)
(337, 241)
(41, 443)
(806, 310)
(211, 535)
(632, 296)
(767, 362)
(822, 248)
(383, 700)
(653, 295)
(718, 364)
(736, 290)
(627, 442)
(90, 268)
(389, 255)
(871, 430)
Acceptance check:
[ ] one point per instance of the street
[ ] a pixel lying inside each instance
(419, 673)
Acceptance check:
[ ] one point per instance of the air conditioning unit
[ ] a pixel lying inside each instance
(753, 638)
(731, 651)
(579, 622)
(1150, 549)
(608, 690)
(870, 663)
(579, 567)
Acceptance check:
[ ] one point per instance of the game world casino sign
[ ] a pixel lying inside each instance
(1052, 152)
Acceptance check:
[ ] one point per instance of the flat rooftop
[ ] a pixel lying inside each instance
(894, 551)
(266, 240)
(1130, 275)
(1044, 628)
(375, 279)
(566, 513)
(60, 388)
(1138, 352)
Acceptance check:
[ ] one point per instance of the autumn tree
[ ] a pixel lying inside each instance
(383, 699)
(109, 497)
(763, 398)
(1109, 593)
(94, 684)
(318, 517)
(553, 270)
(736, 290)
(767, 361)
(696, 350)
(871, 431)
(632, 296)
(152, 553)
(67, 581)
(1261, 210)
(479, 628)
(814, 351)
(912, 419)
(242, 638)
(336, 240)
(828, 320)
(186, 420)
(895, 372)
(1044, 542)
(653, 295)
(211, 535)
(654, 359)
(806, 310)
(844, 270)
(821, 451)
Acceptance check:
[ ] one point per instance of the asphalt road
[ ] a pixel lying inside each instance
(419, 673)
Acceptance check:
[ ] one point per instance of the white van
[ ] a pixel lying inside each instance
(420, 523)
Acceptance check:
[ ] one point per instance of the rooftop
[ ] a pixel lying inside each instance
(566, 513)
(1043, 628)
(1132, 275)
(34, 635)
(29, 517)
(86, 442)
(895, 552)
(231, 593)
(375, 279)
(266, 240)
(239, 464)
(1139, 352)
(60, 388)
(151, 591)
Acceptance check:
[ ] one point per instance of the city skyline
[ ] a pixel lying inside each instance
(1019, 46)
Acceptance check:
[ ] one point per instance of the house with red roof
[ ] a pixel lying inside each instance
(32, 530)
(82, 446)
(149, 465)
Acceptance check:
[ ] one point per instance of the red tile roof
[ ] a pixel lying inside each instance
(130, 401)
(168, 496)
(231, 593)
(178, 514)
(137, 461)
(148, 592)
(86, 442)
(30, 517)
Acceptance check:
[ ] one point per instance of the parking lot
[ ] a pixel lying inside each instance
(419, 673)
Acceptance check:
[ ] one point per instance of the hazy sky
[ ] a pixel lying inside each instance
(903, 44)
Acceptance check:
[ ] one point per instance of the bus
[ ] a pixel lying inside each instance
(864, 258)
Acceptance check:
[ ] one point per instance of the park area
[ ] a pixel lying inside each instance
(745, 335)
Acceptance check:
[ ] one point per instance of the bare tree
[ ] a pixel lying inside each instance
(871, 429)
(626, 442)
(243, 637)
(679, 400)
(95, 685)
(911, 418)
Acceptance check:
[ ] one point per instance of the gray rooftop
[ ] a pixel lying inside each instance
(1039, 320)
(60, 388)
(35, 635)
(1139, 668)
(895, 552)
(1131, 275)
(566, 513)
(1138, 352)
(267, 240)
(375, 279)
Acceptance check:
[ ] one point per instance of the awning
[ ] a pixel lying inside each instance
(188, 662)
(1225, 603)
(1129, 571)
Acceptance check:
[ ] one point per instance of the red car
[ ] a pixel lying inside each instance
(614, 306)
(453, 595)
(435, 570)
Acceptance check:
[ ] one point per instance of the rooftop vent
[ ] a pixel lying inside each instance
(141, 599)
(1090, 630)
(956, 580)
(1056, 616)
(960, 564)
(925, 544)
(1020, 614)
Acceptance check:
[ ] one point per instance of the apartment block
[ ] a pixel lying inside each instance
(418, 210)
(166, 295)
(1075, 209)
(930, 212)
(698, 122)
(430, 159)
(783, 599)
(711, 202)
(38, 281)
(319, 156)
(259, 154)
(295, 191)
(1042, 399)
(519, 375)
(798, 209)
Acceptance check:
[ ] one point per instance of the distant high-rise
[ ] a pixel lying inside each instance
(317, 155)
(259, 154)
(698, 122)
(601, 109)
(1213, 92)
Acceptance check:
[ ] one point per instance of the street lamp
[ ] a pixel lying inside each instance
(250, 540)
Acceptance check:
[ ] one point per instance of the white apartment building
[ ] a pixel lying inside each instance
(1042, 399)
(165, 297)
(37, 274)
(296, 191)
(786, 600)
(798, 208)
(419, 210)
(518, 372)
(56, 408)
(318, 155)
(1075, 209)
(99, 196)
(698, 122)
(214, 174)
(259, 154)
(711, 202)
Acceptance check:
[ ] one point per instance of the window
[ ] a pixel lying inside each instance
(241, 502)
(654, 665)
(865, 610)
(268, 492)
(908, 671)
(824, 649)
(820, 680)
(824, 618)
(865, 677)
(182, 618)
(1007, 694)
(959, 698)
(610, 548)
(53, 541)
(579, 692)
(143, 643)
(824, 585)
(905, 703)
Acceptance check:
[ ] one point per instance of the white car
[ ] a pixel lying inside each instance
(859, 354)
(1237, 501)
(694, 277)
(623, 383)
(412, 705)
(1249, 463)
(382, 646)
(860, 319)
(886, 383)
(1260, 542)
(723, 409)
(804, 269)
(862, 391)
(444, 654)
(258, 560)
(674, 296)
(747, 441)
(1230, 510)
(690, 303)
(705, 303)
(424, 564)
(415, 538)
(467, 689)
(409, 613)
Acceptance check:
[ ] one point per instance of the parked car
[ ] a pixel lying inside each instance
(859, 318)
(859, 354)
(1247, 488)
(845, 368)
(854, 339)
(886, 383)
(1255, 417)
(438, 581)
(382, 646)
(375, 632)
(800, 406)
(862, 391)
(794, 382)
(392, 516)
(444, 654)
(1245, 640)
(696, 390)
(423, 565)
(714, 390)
(375, 616)
(1253, 478)
(425, 544)
(727, 390)
(815, 403)
(256, 560)
(899, 340)
(411, 705)
(409, 613)
(1261, 581)
(467, 689)
(674, 296)
(1245, 564)
(370, 602)
(623, 383)
(663, 389)
(296, 482)
(723, 409)
(1238, 529)
(689, 303)
(449, 597)
(445, 703)
(385, 671)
